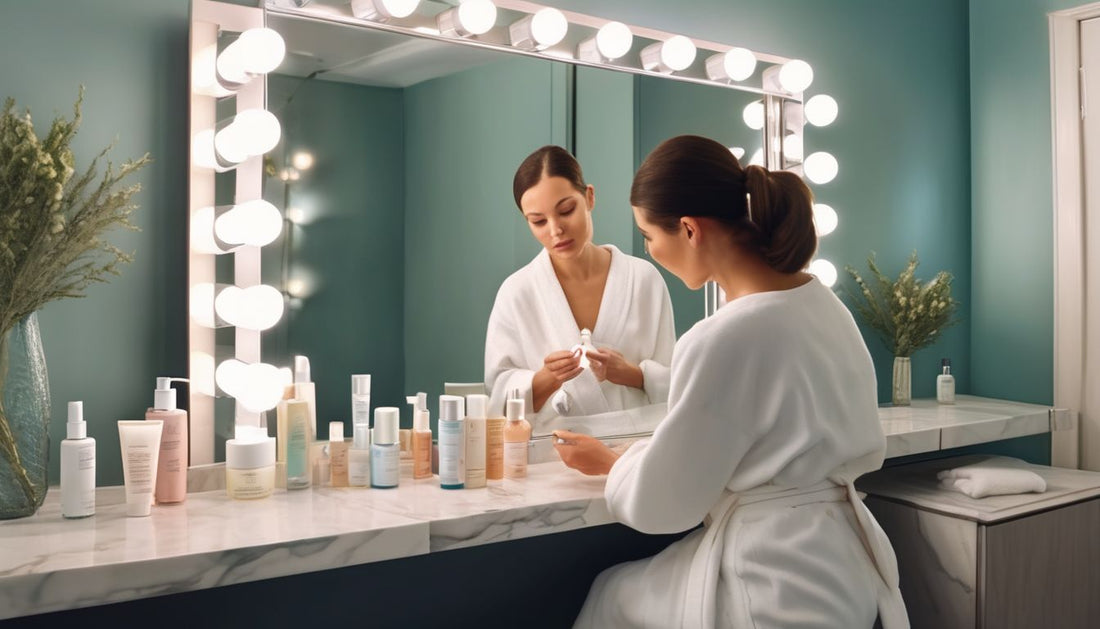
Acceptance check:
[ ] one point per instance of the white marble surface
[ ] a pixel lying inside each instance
(48, 563)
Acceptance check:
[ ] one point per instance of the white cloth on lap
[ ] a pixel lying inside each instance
(992, 477)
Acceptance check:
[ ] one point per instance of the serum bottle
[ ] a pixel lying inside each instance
(360, 399)
(299, 470)
(359, 456)
(172, 466)
(945, 383)
(385, 452)
(517, 436)
(452, 442)
(77, 466)
(494, 450)
(477, 405)
(305, 390)
(337, 455)
(421, 436)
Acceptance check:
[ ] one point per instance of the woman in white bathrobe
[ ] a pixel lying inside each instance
(772, 416)
(573, 284)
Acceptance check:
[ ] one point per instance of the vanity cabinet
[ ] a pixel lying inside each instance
(1026, 560)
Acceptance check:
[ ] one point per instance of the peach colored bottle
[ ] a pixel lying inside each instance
(421, 437)
(337, 455)
(517, 436)
(172, 461)
(494, 449)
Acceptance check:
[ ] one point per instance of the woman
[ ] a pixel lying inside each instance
(772, 415)
(571, 285)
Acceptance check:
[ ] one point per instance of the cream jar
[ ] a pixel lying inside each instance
(249, 468)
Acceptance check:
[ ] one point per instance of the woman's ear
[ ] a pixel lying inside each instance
(690, 228)
(590, 197)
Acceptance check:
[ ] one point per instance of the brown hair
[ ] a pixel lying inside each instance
(689, 175)
(548, 161)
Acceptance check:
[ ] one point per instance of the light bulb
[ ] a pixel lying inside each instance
(824, 270)
(821, 110)
(254, 308)
(230, 376)
(204, 73)
(202, 232)
(795, 76)
(253, 132)
(383, 10)
(254, 223)
(737, 64)
(296, 288)
(757, 158)
(825, 219)
(737, 151)
(257, 51)
(673, 55)
(820, 167)
(792, 147)
(548, 27)
(261, 388)
(614, 40)
(472, 17)
(753, 115)
(295, 215)
(302, 160)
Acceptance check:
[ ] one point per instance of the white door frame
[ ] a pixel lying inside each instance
(1069, 233)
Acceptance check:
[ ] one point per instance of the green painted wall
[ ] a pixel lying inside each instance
(352, 244)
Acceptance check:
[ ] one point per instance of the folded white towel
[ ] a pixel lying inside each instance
(992, 477)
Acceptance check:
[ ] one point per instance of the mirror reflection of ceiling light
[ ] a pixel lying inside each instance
(824, 270)
(753, 115)
(821, 110)
(472, 17)
(820, 167)
(383, 10)
(539, 31)
(795, 76)
(673, 55)
(256, 52)
(737, 64)
(825, 219)
(302, 160)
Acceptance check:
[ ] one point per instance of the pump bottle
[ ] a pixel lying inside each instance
(77, 466)
(172, 466)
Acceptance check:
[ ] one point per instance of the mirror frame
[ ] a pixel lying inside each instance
(209, 18)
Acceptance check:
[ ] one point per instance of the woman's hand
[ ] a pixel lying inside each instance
(607, 364)
(583, 453)
(557, 368)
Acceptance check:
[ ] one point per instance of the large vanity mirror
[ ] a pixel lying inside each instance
(394, 173)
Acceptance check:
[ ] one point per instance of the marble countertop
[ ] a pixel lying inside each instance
(48, 563)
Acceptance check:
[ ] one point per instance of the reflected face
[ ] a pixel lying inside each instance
(559, 215)
(671, 250)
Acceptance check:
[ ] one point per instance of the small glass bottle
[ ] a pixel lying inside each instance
(945, 383)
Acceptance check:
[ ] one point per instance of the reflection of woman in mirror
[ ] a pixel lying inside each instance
(772, 414)
(573, 284)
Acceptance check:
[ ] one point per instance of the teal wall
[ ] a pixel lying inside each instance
(904, 140)
(352, 244)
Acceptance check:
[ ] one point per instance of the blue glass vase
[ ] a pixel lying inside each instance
(24, 420)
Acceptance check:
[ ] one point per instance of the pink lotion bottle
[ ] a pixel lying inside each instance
(172, 463)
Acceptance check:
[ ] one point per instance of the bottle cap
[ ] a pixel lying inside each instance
(514, 410)
(360, 384)
(451, 407)
(477, 405)
(386, 422)
(76, 428)
(164, 397)
(336, 431)
(246, 454)
(301, 369)
(361, 437)
(945, 363)
(421, 420)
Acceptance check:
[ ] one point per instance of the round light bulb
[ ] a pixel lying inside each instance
(737, 151)
(296, 288)
(792, 147)
(739, 63)
(753, 115)
(398, 8)
(202, 232)
(262, 50)
(254, 223)
(614, 40)
(254, 308)
(820, 167)
(302, 160)
(230, 306)
(295, 215)
(261, 389)
(548, 27)
(821, 110)
(477, 17)
(230, 376)
(253, 132)
(795, 76)
(678, 53)
(825, 219)
(757, 158)
(824, 270)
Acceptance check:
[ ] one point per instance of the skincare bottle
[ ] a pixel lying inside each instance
(452, 442)
(249, 464)
(282, 434)
(584, 346)
(421, 436)
(494, 449)
(337, 455)
(360, 399)
(322, 473)
(476, 406)
(517, 436)
(945, 384)
(385, 451)
(304, 390)
(172, 468)
(298, 469)
(359, 456)
(77, 466)
(139, 443)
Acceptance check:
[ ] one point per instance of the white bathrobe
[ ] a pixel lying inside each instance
(772, 415)
(531, 318)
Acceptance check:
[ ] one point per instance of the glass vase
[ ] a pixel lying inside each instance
(24, 420)
(902, 389)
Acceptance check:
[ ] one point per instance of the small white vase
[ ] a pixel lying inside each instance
(902, 388)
